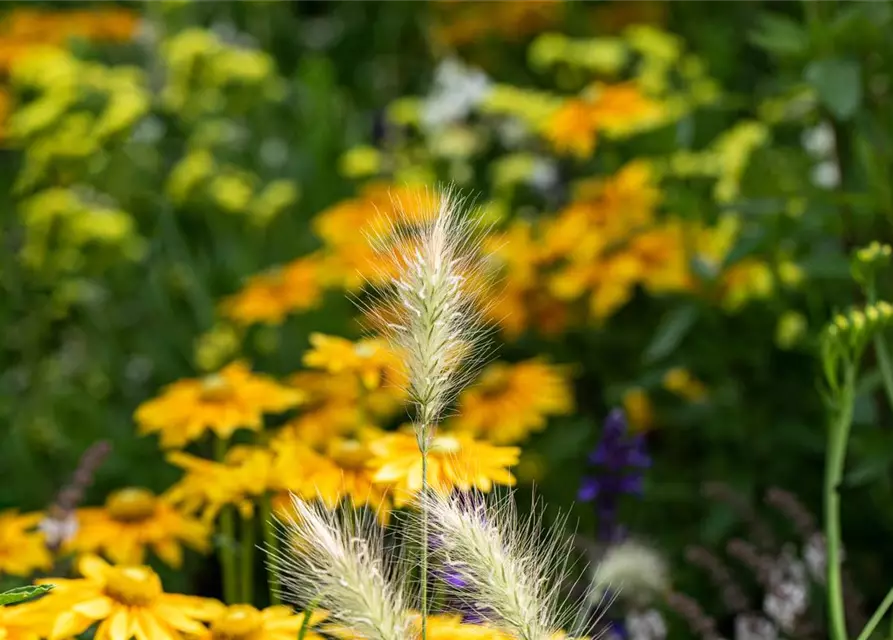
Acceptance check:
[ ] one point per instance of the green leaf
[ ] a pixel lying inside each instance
(20, 594)
(838, 82)
(780, 35)
(673, 328)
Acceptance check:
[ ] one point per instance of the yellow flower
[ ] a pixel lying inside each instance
(681, 382)
(22, 549)
(509, 401)
(244, 622)
(340, 472)
(572, 129)
(22, 623)
(455, 461)
(244, 474)
(639, 411)
(622, 108)
(222, 402)
(371, 360)
(746, 280)
(270, 296)
(127, 602)
(132, 520)
(790, 329)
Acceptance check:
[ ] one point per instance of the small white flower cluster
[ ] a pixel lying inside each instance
(819, 144)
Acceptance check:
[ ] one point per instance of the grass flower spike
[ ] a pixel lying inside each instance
(511, 572)
(335, 559)
(431, 310)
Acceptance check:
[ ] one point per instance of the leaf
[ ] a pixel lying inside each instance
(838, 82)
(673, 328)
(780, 35)
(20, 594)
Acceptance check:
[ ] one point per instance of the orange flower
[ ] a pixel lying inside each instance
(622, 108)
(22, 549)
(270, 296)
(509, 401)
(572, 129)
(132, 520)
(127, 602)
(222, 402)
(455, 461)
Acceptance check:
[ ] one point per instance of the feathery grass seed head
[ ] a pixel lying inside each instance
(432, 308)
(512, 571)
(336, 560)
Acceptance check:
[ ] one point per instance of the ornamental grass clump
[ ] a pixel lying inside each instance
(431, 308)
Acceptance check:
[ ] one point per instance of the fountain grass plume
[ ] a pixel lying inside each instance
(335, 559)
(513, 570)
(430, 308)
(431, 304)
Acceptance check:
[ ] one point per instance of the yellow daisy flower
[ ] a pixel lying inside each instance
(134, 519)
(127, 602)
(22, 622)
(455, 461)
(222, 402)
(369, 359)
(341, 471)
(638, 408)
(244, 622)
(245, 473)
(22, 549)
(270, 296)
(509, 401)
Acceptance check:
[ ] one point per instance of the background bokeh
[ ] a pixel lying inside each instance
(678, 187)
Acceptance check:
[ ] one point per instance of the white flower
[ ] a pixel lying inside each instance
(634, 571)
(826, 174)
(754, 627)
(788, 594)
(819, 140)
(457, 90)
(646, 625)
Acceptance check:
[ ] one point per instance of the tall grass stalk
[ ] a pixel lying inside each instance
(429, 308)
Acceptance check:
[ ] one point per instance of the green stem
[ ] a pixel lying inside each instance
(226, 548)
(247, 559)
(834, 464)
(269, 529)
(424, 550)
(877, 617)
(884, 363)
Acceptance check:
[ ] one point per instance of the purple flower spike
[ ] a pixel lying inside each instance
(619, 460)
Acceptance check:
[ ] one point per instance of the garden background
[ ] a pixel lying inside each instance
(678, 192)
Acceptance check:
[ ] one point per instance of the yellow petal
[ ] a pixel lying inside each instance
(93, 567)
(118, 625)
(69, 624)
(97, 608)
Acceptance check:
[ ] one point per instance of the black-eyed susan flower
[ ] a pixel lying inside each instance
(133, 520)
(509, 401)
(222, 402)
(127, 602)
(207, 486)
(23, 622)
(339, 472)
(270, 296)
(244, 622)
(371, 360)
(22, 548)
(455, 461)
